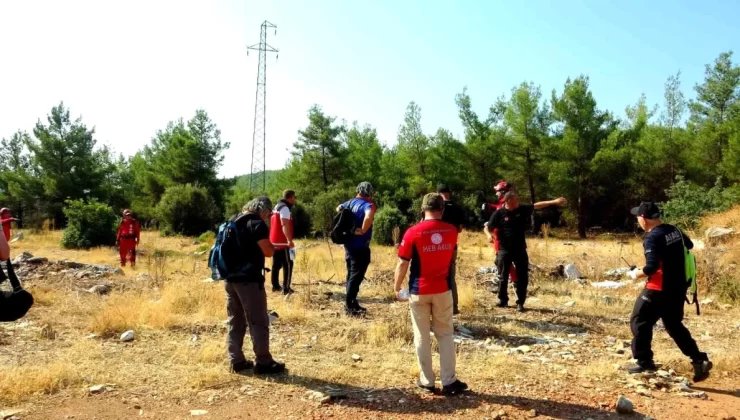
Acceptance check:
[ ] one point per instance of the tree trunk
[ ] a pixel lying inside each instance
(530, 175)
(581, 214)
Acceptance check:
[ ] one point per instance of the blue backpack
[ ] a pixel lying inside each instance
(226, 258)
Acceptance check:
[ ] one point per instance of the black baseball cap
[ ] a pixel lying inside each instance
(443, 188)
(646, 209)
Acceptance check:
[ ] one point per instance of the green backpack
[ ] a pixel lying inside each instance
(690, 268)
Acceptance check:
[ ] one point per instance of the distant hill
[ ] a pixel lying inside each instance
(272, 179)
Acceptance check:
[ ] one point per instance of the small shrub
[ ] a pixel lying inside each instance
(206, 237)
(727, 289)
(687, 202)
(386, 219)
(187, 210)
(323, 208)
(88, 224)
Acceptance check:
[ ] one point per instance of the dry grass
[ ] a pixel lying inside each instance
(179, 321)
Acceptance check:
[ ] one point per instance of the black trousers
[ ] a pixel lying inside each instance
(281, 260)
(357, 262)
(652, 305)
(503, 264)
(452, 283)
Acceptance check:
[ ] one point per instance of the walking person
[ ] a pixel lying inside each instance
(246, 300)
(428, 249)
(512, 220)
(454, 215)
(357, 250)
(281, 237)
(127, 238)
(664, 293)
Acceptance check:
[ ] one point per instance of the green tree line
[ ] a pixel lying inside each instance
(683, 152)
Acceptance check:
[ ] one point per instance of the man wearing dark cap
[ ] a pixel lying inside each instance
(453, 214)
(428, 248)
(664, 293)
(357, 250)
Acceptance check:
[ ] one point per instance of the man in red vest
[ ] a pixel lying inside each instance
(128, 237)
(281, 237)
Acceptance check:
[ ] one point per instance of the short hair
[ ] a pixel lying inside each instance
(433, 202)
(365, 189)
(287, 194)
(258, 205)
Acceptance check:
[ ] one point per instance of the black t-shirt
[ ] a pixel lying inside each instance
(664, 259)
(511, 225)
(252, 229)
(453, 214)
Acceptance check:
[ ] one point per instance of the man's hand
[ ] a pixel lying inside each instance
(358, 231)
(561, 201)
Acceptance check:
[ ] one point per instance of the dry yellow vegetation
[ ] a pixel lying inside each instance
(68, 341)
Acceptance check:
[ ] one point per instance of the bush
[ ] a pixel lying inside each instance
(88, 224)
(386, 219)
(687, 202)
(323, 208)
(187, 210)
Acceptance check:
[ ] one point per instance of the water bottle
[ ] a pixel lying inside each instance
(403, 294)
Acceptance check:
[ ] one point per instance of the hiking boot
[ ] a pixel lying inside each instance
(269, 368)
(430, 389)
(641, 367)
(701, 369)
(288, 291)
(353, 312)
(520, 308)
(360, 308)
(456, 311)
(454, 388)
(503, 305)
(241, 366)
(277, 289)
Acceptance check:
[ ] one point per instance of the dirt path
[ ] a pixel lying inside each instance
(279, 399)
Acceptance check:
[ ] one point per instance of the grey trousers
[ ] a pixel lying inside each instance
(246, 305)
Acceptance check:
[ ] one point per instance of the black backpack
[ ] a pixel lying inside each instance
(343, 226)
(13, 305)
(226, 256)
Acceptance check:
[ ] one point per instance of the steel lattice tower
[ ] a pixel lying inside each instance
(257, 179)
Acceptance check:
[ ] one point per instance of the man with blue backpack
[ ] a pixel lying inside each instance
(357, 247)
(663, 297)
(238, 257)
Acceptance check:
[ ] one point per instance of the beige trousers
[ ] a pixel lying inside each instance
(433, 312)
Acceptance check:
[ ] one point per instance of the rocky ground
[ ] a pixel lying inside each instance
(561, 359)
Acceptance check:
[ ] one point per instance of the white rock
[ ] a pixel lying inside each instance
(572, 272)
(100, 289)
(570, 304)
(356, 357)
(128, 336)
(524, 349)
(198, 412)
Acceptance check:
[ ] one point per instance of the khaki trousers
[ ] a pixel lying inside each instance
(433, 312)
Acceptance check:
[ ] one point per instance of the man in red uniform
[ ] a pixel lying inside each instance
(5, 219)
(128, 237)
(428, 248)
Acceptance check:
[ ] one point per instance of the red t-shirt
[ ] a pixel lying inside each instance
(429, 245)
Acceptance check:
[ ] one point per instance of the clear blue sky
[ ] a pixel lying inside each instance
(129, 68)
